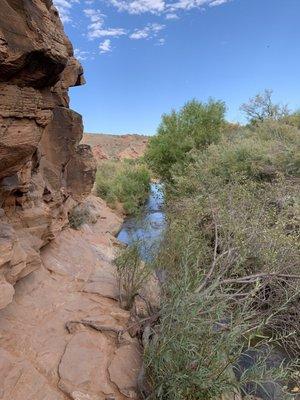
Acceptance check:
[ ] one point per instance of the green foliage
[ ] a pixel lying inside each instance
(123, 182)
(223, 252)
(132, 273)
(261, 108)
(263, 153)
(293, 119)
(195, 126)
(231, 253)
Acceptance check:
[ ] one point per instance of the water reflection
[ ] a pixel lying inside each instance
(146, 228)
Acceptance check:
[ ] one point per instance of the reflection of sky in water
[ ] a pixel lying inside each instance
(147, 227)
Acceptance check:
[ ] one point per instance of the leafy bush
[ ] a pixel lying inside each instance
(132, 273)
(230, 286)
(231, 253)
(124, 182)
(293, 119)
(195, 126)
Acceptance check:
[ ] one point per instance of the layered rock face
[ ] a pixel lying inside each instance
(44, 170)
(63, 334)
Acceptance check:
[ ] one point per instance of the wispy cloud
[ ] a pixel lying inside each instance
(139, 6)
(81, 55)
(95, 16)
(190, 4)
(105, 46)
(96, 27)
(161, 6)
(64, 9)
(149, 31)
(161, 42)
(115, 32)
(217, 3)
(171, 16)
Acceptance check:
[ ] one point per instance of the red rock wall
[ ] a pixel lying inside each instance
(44, 170)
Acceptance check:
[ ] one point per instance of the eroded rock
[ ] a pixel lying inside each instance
(73, 342)
(83, 367)
(44, 170)
(124, 369)
(60, 326)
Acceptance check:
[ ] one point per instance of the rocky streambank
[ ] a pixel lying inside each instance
(62, 332)
(64, 336)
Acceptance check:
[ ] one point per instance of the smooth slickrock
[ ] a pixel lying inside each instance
(68, 337)
(83, 366)
(6, 293)
(15, 376)
(124, 369)
(44, 170)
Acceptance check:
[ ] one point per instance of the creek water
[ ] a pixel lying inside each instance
(148, 226)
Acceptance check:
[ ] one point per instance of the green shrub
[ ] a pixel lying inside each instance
(80, 215)
(293, 119)
(195, 126)
(231, 252)
(263, 153)
(123, 182)
(132, 273)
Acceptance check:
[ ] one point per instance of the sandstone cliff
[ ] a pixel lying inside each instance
(63, 334)
(43, 169)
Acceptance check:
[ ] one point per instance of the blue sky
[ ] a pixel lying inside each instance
(144, 57)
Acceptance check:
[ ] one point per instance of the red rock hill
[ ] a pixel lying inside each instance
(105, 146)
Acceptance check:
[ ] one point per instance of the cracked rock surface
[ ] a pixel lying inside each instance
(60, 340)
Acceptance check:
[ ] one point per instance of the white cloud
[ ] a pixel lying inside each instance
(172, 16)
(139, 6)
(190, 4)
(81, 55)
(94, 15)
(149, 31)
(114, 32)
(161, 42)
(160, 6)
(96, 27)
(64, 9)
(218, 3)
(139, 34)
(105, 46)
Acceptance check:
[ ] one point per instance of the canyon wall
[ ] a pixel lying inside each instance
(44, 170)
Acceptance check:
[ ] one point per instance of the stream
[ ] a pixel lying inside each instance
(147, 227)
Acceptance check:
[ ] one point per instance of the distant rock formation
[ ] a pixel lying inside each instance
(117, 147)
(44, 170)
